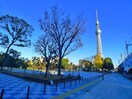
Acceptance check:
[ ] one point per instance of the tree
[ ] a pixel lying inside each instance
(14, 56)
(65, 63)
(108, 64)
(130, 71)
(30, 63)
(64, 32)
(38, 62)
(11, 61)
(46, 47)
(98, 61)
(23, 62)
(1, 58)
(88, 64)
(18, 32)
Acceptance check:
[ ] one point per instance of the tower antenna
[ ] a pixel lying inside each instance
(98, 32)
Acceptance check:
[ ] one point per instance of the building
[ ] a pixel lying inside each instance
(126, 65)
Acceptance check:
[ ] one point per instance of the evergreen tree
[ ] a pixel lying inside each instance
(108, 64)
(17, 33)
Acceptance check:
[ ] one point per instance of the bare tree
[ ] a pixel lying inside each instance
(64, 32)
(17, 33)
(46, 47)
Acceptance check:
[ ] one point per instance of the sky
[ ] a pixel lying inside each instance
(115, 17)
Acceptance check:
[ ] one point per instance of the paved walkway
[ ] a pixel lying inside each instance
(72, 93)
(114, 86)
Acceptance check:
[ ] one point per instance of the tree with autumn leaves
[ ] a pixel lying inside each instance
(98, 61)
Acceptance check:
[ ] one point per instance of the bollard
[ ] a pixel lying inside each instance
(44, 88)
(70, 83)
(56, 86)
(82, 80)
(64, 84)
(102, 77)
(2, 92)
(28, 92)
(75, 81)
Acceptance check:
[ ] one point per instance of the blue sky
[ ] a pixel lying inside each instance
(115, 17)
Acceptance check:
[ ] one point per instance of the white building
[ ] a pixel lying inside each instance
(127, 63)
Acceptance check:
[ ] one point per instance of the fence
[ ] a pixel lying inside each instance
(72, 82)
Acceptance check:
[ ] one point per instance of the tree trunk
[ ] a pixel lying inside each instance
(11, 69)
(59, 66)
(47, 69)
(25, 70)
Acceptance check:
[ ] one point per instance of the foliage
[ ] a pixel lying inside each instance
(30, 63)
(65, 63)
(98, 61)
(15, 54)
(17, 33)
(18, 30)
(38, 62)
(23, 62)
(87, 63)
(10, 62)
(63, 31)
(108, 64)
(130, 71)
(12, 59)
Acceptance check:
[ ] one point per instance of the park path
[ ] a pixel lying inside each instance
(114, 86)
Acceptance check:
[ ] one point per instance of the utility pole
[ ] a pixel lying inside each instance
(127, 45)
